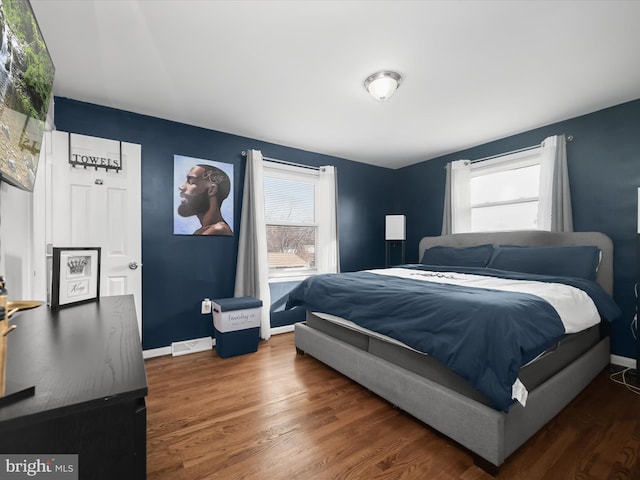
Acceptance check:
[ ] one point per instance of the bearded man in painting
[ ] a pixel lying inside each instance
(202, 195)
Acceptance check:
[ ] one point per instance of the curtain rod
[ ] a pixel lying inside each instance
(569, 138)
(483, 159)
(285, 162)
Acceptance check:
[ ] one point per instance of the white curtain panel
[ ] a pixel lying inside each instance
(327, 237)
(461, 196)
(252, 271)
(554, 207)
(456, 217)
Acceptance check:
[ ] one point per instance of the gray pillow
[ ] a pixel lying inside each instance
(572, 261)
(477, 256)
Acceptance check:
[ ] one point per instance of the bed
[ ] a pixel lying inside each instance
(431, 388)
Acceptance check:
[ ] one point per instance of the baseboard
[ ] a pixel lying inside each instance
(623, 361)
(198, 344)
(156, 352)
(283, 329)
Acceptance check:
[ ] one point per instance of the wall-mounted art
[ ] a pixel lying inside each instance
(202, 197)
(26, 80)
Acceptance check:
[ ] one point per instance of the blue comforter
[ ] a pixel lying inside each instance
(483, 335)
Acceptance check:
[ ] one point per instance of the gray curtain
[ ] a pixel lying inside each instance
(555, 213)
(447, 221)
(252, 271)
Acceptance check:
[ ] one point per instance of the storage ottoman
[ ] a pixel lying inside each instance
(236, 324)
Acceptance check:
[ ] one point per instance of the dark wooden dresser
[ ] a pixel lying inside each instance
(90, 386)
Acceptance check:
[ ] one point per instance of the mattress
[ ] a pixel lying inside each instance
(535, 373)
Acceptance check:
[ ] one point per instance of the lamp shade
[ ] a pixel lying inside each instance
(381, 85)
(395, 227)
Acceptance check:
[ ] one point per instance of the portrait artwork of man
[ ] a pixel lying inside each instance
(202, 188)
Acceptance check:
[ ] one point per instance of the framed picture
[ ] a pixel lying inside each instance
(202, 197)
(27, 81)
(76, 276)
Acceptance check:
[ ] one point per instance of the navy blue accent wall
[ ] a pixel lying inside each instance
(604, 174)
(179, 271)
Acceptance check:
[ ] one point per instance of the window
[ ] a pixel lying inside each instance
(290, 196)
(504, 192)
(525, 189)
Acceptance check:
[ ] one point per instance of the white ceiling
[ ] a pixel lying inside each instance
(292, 72)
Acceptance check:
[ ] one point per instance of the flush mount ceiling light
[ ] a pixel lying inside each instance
(381, 85)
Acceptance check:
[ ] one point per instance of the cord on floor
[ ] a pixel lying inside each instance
(621, 378)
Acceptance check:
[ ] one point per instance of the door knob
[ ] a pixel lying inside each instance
(133, 265)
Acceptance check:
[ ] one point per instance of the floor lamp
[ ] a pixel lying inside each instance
(394, 231)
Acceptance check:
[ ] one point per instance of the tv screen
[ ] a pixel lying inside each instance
(26, 80)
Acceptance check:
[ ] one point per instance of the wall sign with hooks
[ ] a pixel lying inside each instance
(79, 157)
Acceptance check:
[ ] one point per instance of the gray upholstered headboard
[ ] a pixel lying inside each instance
(604, 275)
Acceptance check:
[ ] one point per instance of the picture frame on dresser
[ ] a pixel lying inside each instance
(75, 276)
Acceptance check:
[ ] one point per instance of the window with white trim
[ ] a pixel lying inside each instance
(521, 190)
(290, 198)
(504, 192)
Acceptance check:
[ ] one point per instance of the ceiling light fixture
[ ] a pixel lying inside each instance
(381, 85)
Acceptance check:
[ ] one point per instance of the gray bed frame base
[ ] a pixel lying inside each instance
(491, 435)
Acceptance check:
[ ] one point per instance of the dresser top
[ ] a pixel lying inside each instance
(77, 357)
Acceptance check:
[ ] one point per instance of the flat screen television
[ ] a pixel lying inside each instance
(26, 81)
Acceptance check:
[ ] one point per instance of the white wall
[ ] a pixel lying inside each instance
(23, 260)
(23, 231)
(16, 238)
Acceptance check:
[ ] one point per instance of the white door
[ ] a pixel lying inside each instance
(100, 208)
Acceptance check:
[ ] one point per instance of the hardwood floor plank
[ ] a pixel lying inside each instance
(278, 415)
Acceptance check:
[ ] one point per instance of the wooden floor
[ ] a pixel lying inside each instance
(277, 415)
